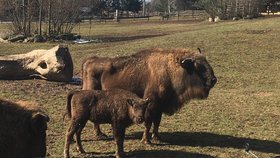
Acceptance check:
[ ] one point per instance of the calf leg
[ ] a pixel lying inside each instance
(78, 137)
(98, 132)
(69, 135)
(119, 134)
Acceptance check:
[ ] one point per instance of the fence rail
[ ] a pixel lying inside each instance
(182, 15)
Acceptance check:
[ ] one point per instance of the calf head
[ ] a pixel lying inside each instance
(39, 126)
(138, 108)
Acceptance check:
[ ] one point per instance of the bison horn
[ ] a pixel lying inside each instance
(199, 50)
(187, 61)
(148, 100)
(188, 64)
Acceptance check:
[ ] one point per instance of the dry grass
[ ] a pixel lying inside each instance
(242, 108)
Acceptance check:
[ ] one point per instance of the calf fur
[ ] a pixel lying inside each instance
(120, 108)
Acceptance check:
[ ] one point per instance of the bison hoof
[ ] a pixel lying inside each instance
(66, 155)
(101, 136)
(146, 141)
(82, 151)
(157, 138)
(121, 155)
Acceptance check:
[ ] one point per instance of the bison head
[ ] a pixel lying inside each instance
(38, 127)
(138, 109)
(199, 76)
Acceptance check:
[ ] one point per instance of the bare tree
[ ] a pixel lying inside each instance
(227, 9)
(63, 15)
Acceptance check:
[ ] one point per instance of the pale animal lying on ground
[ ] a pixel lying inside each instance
(22, 130)
(170, 78)
(54, 64)
(120, 108)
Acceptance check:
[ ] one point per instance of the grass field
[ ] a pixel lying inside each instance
(243, 107)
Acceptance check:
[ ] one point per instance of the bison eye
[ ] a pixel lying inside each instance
(201, 68)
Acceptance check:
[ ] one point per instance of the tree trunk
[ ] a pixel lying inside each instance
(144, 8)
(40, 16)
(54, 64)
(24, 16)
(29, 18)
(49, 17)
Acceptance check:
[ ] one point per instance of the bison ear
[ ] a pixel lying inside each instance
(39, 122)
(188, 64)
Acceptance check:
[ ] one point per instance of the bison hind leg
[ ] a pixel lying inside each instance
(78, 137)
(69, 136)
(74, 127)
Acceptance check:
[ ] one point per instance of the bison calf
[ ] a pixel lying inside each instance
(22, 130)
(119, 108)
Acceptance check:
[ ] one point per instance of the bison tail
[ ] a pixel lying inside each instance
(68, 104)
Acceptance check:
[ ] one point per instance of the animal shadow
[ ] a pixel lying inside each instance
(128, 38)
(150, 154)
(204, 139)
(165, 154)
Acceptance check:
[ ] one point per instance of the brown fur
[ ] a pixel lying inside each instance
(119, 108)
(169, 77)
(23, 130)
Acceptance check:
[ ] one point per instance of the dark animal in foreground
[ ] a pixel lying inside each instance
(170, 78)
(22, 130)
(120, 108)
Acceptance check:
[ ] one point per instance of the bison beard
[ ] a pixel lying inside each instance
(170, 78)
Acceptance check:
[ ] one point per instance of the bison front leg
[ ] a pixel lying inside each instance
(151, 117)
(148, 124)
(146, 135)
(156, 121)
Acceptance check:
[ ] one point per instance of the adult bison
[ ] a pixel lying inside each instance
(170, 78)
(22, 130)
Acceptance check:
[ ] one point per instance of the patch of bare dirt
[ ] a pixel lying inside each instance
(263, 94)
(257, 31)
